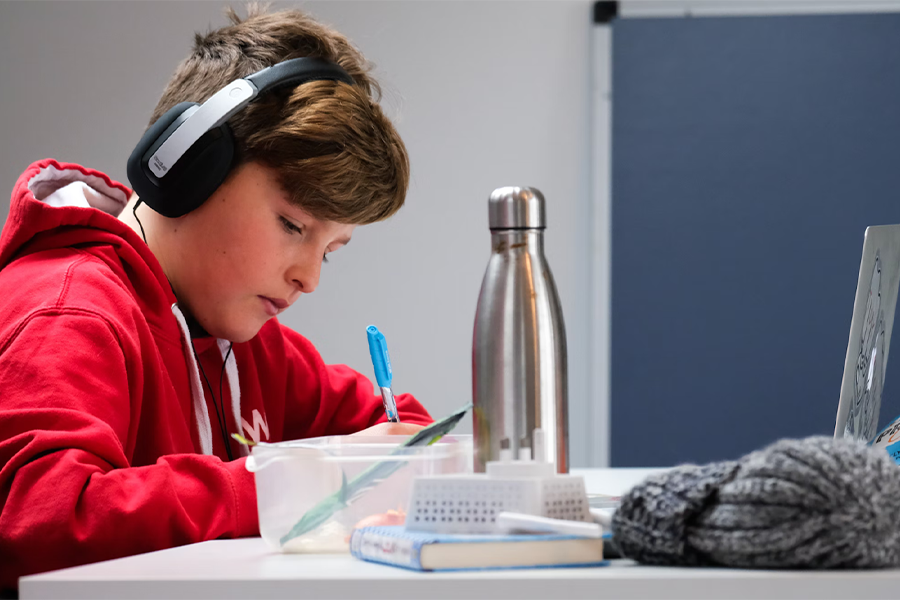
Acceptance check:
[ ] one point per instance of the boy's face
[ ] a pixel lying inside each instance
(246, 254)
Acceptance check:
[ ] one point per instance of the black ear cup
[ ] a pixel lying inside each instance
(196, 175)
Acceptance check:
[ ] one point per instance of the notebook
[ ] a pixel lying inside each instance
(422, 551)
(859, 408)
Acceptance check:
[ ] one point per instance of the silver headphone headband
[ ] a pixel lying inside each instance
(220, 107)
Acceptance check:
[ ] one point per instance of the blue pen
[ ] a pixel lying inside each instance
(382, 363)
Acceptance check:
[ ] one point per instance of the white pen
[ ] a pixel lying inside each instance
(512, 522)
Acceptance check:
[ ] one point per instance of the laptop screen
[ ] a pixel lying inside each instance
(860, 413)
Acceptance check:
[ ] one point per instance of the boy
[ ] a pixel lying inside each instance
(119, 326)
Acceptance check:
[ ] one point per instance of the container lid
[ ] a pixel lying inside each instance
(516, 208)
(362, 449)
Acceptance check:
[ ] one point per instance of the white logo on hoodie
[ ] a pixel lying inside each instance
(259, 422)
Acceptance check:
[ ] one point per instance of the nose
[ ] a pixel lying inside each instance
(304, 273)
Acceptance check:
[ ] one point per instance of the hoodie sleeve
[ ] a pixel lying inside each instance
(68, 424)
(334, 399)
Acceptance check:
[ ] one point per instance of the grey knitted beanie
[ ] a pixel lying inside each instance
(816, 503)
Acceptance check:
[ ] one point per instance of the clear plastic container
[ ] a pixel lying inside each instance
(363, 480)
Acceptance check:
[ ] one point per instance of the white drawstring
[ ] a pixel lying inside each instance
(201, 412)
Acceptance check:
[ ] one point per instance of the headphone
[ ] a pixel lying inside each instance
(187, 153)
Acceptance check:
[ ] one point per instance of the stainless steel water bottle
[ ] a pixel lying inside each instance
(519, 371)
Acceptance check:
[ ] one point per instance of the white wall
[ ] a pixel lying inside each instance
(485, 94)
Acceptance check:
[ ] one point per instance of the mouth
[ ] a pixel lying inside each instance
(273, 306)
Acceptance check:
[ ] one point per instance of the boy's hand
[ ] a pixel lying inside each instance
(390, 429)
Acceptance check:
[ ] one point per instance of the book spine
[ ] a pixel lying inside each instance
(376, 547)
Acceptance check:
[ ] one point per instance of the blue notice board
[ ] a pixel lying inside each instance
(748, 156)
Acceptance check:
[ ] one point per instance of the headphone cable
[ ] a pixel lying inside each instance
(220, 416)
(134, 212)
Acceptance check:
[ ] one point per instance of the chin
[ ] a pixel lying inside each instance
(237, 335)
(243, 336)
(240, 339)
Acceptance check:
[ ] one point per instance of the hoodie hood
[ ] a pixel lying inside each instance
(64, 205)
(48, 185)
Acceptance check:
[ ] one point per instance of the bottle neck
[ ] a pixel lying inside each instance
(523, 240)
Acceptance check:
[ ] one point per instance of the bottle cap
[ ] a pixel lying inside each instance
(516, 208)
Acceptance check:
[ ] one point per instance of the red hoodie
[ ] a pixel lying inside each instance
(109, 439)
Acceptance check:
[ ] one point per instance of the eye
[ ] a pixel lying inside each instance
(288, 226)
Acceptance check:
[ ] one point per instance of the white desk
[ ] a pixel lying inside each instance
(246, 569)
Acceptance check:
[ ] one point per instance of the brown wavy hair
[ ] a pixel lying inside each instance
(336, 153)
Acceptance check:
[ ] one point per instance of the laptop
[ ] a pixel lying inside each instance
(859, 408)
